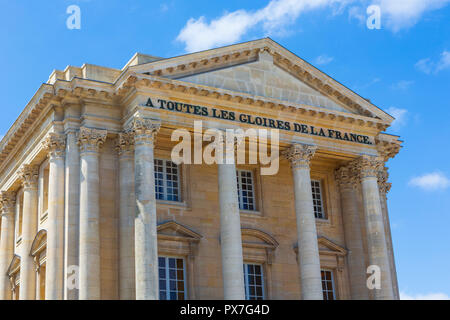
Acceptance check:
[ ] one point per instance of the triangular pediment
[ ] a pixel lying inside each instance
(172, 230)
(263, 78)
(328, 247)
(263, 68)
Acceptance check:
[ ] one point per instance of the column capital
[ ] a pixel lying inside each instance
(55, 144)
(90, 140)
(383, 184)
(125, 143)
(144, 130)
(369, 166)
(29, 175)
(347, 176)
(300, 155)
(8, 202)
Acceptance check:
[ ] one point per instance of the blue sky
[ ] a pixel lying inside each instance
(404, 68)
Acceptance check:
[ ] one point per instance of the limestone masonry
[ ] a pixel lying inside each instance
(93, 207)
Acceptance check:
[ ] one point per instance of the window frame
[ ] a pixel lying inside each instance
(332, 283)
(247, 284)
(167, 280)
(239, 188)
(322, 194)
(164, 180)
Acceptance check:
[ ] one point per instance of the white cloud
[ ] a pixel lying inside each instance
(402, 85)
(429, 66)
(400, 116)
(323, 60)
(428, 296)
(430, 181)
(200, 34)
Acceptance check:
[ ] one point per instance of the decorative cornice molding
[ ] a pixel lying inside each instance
(90, 140)
(29, 175)
(8, 202)
(55, 144)
(300, 155)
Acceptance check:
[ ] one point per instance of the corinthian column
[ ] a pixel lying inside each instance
(308, 252)
(8, 203)
(146, 247)
(29, 175)
(347, 180)
(376, 238)
(55, 144)
(90, 141)
(384, 187)
(71, 215)
(125, 147)
(230, 228)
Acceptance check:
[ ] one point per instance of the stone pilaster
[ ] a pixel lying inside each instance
(125, 148)
(71, 213)
(385, 187)
(55, 145)
(146, 247)
(29, 175)
(230, 226)
(347, 179)
(90, 141)
(369, 167)
(8, 206)
(308, 252)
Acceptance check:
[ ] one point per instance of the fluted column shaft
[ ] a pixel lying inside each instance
(376, 238)
(347, 180)
(71, 213)
(55, 144)
(385, 187)
(7, 200)
(308, 251)
(127, 287)
(230, 233)
(29, 175)
(90, 140)
(146, 246)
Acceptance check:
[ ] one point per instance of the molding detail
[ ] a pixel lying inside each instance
(29, 175)
(383, 184)
(125, 143)
(369, 166)
(347, 176)
(300, 155)
(8, 202)
(90, 140)
(55, 144)
(144, 130)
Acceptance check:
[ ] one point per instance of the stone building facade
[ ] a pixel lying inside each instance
(93, 207)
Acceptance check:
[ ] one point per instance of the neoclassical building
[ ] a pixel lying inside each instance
(94, 207)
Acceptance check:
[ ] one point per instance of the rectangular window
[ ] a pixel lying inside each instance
(171, 279)
(254, 282)
(246, 190)
(316, 187)
(327, 285)
(167, 180)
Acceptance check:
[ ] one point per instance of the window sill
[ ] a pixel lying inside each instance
(322, 221)
(19, 241)
(251, 214)
(173, 204)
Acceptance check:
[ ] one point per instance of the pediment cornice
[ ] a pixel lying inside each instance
(228, 56)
